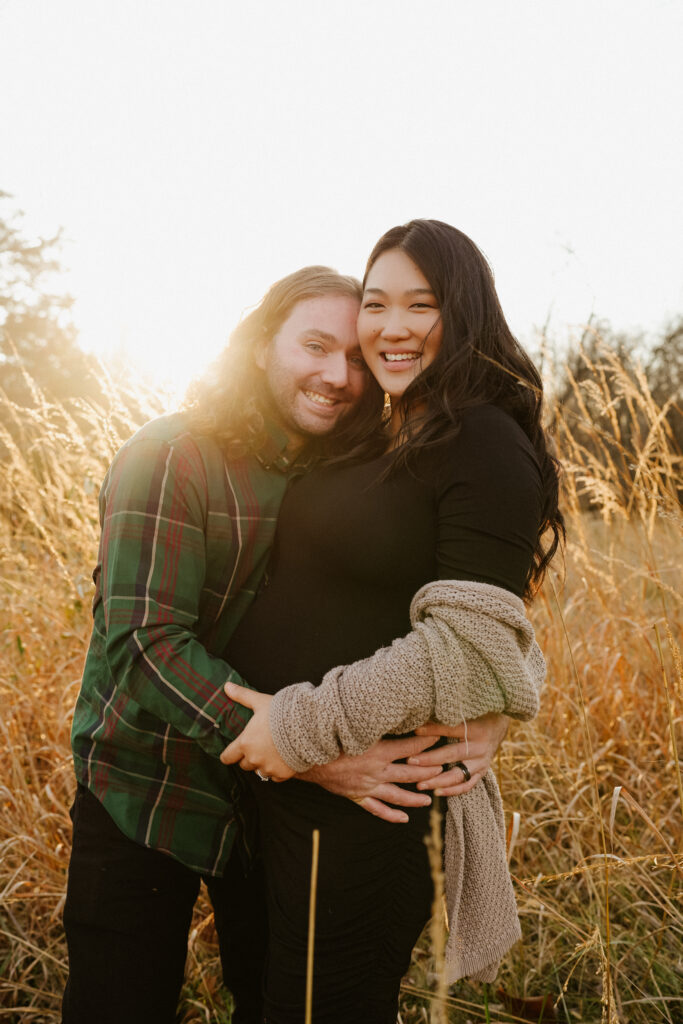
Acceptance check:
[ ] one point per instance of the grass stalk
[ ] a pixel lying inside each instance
(672, 728)
(437, 927)
(598, 809)
(308, 1017)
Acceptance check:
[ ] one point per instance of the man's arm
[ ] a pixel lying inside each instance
(475, 744)
(376, 778)
(153, 562)
(373, 779)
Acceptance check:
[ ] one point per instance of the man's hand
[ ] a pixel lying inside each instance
(476, 743)
(373, 777)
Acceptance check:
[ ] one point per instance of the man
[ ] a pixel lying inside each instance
(188, 511)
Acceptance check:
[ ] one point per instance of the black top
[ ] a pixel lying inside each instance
(351, 549)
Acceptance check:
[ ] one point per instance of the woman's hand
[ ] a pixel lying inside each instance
(475, 746)
(254, 750)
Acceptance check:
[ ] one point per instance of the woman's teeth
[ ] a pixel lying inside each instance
(396, 357)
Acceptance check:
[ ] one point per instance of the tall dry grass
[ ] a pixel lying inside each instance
(592, 788)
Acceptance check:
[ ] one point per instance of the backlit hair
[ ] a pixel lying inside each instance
(228, 401)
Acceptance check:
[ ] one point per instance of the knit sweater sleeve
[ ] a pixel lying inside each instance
(471, 651)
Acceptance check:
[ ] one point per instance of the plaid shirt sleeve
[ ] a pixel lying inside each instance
(153, 562)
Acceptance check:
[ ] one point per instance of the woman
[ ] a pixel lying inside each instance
(457, 485)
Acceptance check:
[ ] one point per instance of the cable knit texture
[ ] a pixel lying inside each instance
(471, 651)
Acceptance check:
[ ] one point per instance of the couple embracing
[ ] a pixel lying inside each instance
(308, 578)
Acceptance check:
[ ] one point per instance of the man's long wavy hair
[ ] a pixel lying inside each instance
(229, 401)
(479, 362)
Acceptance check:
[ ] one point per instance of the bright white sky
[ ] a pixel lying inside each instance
(196, 151)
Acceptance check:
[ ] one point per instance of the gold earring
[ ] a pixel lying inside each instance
(387, 404)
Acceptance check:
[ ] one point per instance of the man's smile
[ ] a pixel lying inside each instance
(319, 399)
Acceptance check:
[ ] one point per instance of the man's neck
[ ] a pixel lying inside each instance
(282, 449)
(291, 443)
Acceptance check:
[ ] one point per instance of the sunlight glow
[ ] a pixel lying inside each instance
(195, 153)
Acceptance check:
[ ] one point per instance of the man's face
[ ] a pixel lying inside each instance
(314, 368)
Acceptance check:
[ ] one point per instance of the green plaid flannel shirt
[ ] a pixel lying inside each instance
(185, 539)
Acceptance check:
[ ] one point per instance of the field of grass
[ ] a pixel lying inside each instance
(592, 788)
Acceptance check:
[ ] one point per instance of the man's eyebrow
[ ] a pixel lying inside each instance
(316, 332)
(410, 291)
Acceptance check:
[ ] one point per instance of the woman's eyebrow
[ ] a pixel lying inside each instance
(410, 291)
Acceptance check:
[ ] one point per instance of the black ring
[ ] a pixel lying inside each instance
(464, 769)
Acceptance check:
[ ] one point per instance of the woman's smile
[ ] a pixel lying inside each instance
(399, 360)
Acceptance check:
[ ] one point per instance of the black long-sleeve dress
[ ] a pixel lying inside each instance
(352, 547)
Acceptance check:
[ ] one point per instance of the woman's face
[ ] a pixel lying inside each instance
(399, 324)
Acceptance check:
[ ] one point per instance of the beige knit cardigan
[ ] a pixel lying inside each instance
(471, 651)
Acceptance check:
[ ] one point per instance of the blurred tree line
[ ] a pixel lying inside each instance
(40, 359)
(38, 341)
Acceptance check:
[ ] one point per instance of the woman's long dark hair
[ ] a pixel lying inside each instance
(479, 362)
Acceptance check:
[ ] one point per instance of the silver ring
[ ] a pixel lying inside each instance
(464, 769)
(262, 777)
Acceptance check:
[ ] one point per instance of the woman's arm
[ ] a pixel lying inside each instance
(471, 651)
(376, 779)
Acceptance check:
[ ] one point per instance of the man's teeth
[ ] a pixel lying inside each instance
(395, 357)
(320, 399)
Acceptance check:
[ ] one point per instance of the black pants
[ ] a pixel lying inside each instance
(374, 896)
(127, 917)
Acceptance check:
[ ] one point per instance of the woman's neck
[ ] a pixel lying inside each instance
(397, 420)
